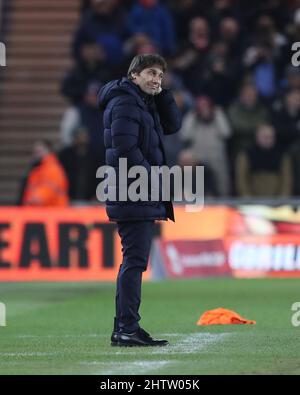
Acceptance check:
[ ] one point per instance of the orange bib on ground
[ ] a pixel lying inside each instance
(222, 316)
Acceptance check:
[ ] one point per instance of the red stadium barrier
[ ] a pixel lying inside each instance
(79, 243)
(69, 244)
(194, 258)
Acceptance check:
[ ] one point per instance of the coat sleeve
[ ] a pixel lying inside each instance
(169, 113)
(125, 129)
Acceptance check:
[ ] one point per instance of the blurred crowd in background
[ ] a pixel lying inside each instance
(231, 73)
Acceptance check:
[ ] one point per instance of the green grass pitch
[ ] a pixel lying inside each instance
(64, 328)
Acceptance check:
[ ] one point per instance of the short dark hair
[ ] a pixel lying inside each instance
(141, 62)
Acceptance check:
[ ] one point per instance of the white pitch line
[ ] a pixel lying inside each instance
(193, 343)
(136, 367)
(29, 354)
(170, 334)
(62, 336)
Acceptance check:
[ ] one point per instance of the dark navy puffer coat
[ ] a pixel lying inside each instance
(134, 124)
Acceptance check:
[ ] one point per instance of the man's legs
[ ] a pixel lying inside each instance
(136, 238)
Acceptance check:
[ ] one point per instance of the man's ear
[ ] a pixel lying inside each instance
(133, 75)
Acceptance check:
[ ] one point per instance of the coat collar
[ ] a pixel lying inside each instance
(143, 98)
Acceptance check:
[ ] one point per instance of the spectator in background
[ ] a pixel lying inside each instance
(260, 60)
(286, 119)
(263, 170)
(184, 101)
(278, 10)
(183, 11)
(154, 20)
(46, 183)
(263, 57)
(223, 66)
(291, 79)
(229, 31)
(204, 132)
(103, 23)
(86, 114)
(220, 9)
(220, 70)
(174, 82)
(187, 158)
(191, 60)
(266, 33)
(91, 67)
(138, 44)
(80, 165)
(245, 115)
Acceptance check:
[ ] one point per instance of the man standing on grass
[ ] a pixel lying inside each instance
(137, 112)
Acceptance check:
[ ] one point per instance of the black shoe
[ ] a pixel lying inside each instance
(139, 338)
(114, 334)
(114, 338)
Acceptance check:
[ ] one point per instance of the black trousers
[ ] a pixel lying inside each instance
(136, 238)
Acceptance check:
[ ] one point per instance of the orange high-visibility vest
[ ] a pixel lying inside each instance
(47, 184)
